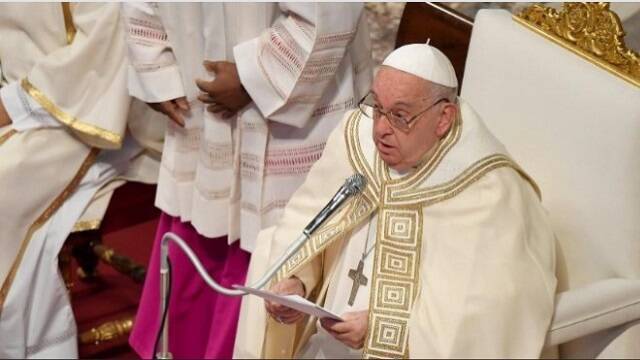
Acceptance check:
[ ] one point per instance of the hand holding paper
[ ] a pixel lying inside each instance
(292, 301)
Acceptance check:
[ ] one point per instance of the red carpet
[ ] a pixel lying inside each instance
(113, 296)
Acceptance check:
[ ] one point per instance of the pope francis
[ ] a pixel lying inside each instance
(446, 253)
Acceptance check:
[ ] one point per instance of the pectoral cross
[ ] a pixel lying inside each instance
(358, 280)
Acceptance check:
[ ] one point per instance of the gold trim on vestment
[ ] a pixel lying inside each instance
(72, 122)
(423, 172)
(68, 22)
(7, 135)
(399, 204)
(86, 225)
(43, 218)
(394, 281)
(355, 211)
(590, 30)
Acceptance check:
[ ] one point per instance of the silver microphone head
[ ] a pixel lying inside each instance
(356, 183)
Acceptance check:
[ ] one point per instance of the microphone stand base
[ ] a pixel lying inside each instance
(164, 356)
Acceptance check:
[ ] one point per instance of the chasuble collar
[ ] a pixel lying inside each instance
(466, 153)
(462, 157)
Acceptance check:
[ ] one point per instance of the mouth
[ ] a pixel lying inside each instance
(383, 148)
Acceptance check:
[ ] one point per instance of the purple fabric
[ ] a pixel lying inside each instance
(202, 323)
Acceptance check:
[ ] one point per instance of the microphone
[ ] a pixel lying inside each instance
(353, 185)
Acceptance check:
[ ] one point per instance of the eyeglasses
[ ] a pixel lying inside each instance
(371, 109)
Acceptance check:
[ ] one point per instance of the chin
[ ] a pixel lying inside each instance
(389, 160)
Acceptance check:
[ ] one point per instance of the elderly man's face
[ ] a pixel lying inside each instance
(405, 94)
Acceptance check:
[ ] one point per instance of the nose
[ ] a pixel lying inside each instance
(382, 127)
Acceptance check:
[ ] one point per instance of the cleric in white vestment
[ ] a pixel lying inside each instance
(447, 253)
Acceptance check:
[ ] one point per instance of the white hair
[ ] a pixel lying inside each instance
(437, 91)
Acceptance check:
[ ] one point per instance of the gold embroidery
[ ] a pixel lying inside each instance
(7, 135)
(90, 130)
(425, 171)
(356, 155)
(589, 30)
(395, 278)
(357, 210)
(68, 22)
(43, 218)
(450, 189)
(395, 281)
(86, 225)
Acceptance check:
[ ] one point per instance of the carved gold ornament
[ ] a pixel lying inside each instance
(107, 331)
(590, 30)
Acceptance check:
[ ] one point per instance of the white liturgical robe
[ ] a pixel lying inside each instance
(464, 256)
(302, 65)
(63, 84)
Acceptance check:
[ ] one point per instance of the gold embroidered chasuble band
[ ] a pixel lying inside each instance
(399, 205)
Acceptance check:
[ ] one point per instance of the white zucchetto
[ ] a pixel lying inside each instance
(424, 61)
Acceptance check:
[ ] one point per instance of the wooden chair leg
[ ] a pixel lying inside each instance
(82, 249)
(121, 263)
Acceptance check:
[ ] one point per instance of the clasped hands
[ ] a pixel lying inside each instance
(224, 95)
(351, 332)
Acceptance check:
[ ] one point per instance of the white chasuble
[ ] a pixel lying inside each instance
(303, 65)
(464, 256)
(72, 62)
(63, 83)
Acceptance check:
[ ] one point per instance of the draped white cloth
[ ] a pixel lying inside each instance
(65, 92)
(464, 263)
(303, 64)
(37, 310)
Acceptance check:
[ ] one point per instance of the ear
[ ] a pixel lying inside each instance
(447, 117)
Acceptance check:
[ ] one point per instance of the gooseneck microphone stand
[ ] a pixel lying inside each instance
(353, 185)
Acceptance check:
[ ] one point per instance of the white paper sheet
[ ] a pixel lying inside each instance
(293, 301)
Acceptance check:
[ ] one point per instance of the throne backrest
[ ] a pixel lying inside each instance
(573, 123)
(575, 128)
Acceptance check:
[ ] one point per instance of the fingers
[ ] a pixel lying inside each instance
(291, 318)
(352, 331)
(345, 333)
(350, 340)
(283, 314)
(170, 109)
(206, 98)
(228, 114)
(182, 103)
(204, 85)
(212, 66)
(173, 113)
(216, 108)
(220, 110)
(339, 327)
(281, 310)
(288, 286)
